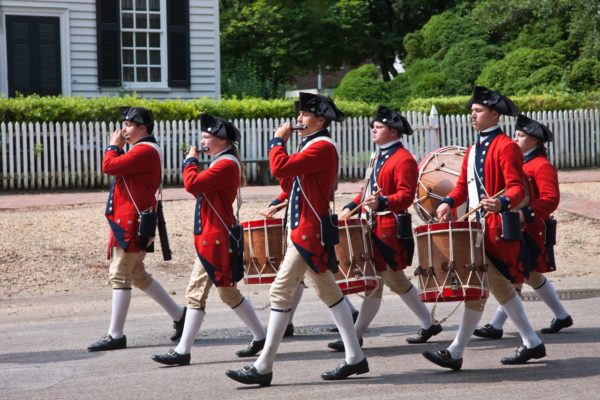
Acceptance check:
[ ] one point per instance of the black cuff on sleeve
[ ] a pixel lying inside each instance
(276, 141)
(505, 203)
(190, 160)
(275, 202)
(383, 203)
(449, 201)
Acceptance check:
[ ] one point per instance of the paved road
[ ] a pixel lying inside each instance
(43, 356)
(43, 341)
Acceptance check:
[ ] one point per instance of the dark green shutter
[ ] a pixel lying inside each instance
(33, 53)
(109, 42)
(178, 42)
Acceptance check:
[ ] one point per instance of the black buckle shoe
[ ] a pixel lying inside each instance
(338, 345)
(557, 324)
(178, 326)
(443, 358)
(289, 331)
(172, 358)
(253, 348)
(248, 375)
(524, 354)
(344, 370)
(488, 332)
(108, 343)
(354, 318)
(423, 335)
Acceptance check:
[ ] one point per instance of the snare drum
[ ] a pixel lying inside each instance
(264, 248)
(355, 253)
(438, 174)
(451, 262)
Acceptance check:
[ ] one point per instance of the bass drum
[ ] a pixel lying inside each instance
(438, 174)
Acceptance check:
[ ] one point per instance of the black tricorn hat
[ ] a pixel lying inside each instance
(219, 127)
(319, 105)
(534, 128)
(138, 115)
(493, 100)
(393, 119)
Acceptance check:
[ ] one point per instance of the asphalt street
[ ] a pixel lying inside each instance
(43, 352)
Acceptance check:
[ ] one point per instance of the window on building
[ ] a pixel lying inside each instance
(143, 43)
(143, 35)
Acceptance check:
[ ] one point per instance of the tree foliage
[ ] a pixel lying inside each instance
(284, 39)
(516, 46)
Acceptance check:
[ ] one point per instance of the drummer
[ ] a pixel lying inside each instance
(215, 189)
(309, 176)
(494, 163)
(540, 228)
(389, 191)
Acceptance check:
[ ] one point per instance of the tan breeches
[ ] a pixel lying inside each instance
(199, 287)
(291, 272)
(127, 269)
(500, 287)
(395, 280)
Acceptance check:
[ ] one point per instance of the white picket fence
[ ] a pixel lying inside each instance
(69, 155)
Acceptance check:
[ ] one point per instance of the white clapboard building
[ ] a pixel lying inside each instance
(156, 48)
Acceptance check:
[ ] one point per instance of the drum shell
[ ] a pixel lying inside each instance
(264, 248)
(355, 254)
(446, 281)
(438, 174)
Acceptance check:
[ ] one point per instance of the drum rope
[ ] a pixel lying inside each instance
(367, 245)
(350, 253)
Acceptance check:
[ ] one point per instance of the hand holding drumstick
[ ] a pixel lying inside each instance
(491, 204)
(372, 202)
(269, 212)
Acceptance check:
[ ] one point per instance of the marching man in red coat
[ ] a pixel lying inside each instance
(309, 177)
(217, 238)
(394, 171)
(539, 227)
(137, 179)
(493, 164)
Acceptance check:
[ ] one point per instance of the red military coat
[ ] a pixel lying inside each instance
(218, 184)
(397, 179)
(140, 169)
(503, 168)
(316, 165)
(544, 196)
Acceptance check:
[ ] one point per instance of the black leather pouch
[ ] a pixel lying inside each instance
(550, 232)
(404, 226)
(330, 231)
(511, 225)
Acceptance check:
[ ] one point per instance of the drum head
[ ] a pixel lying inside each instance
(438, 174)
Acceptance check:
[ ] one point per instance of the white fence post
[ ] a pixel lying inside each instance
(69, 155)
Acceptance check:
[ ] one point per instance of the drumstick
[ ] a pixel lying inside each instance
(275, 207)
(357, 208)
(464, 217)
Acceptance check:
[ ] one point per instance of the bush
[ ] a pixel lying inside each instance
(465, 60)
(538, 102)
(512, 73)
(584, 75)
(60, 109)
(363, 84)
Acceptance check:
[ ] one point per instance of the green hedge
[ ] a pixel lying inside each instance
(538, 102)
(59, 109)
